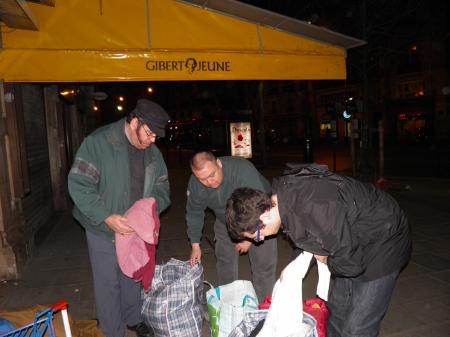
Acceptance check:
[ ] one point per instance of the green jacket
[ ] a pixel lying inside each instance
(99, 181)
(237, 172)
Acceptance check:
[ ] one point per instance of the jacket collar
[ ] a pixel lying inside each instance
(307, 170)
(116, 134)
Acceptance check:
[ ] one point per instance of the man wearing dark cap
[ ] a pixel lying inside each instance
(115, 166)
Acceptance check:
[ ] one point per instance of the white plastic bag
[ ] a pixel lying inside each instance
(285, 315)
(227, 305)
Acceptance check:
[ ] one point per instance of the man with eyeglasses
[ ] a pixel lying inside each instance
(114, 167)
(359, 231)
(211, 184)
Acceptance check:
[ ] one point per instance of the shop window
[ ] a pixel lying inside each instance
(325, 129)
(410, 88)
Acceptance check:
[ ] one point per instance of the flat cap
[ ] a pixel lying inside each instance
(153, 115)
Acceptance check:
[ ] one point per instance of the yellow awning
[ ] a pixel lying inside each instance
(116, 40)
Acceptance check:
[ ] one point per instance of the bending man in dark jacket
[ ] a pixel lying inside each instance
(211, 184)
(359, 231)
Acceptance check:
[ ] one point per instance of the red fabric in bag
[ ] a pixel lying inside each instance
(317, 308)
(265, 305)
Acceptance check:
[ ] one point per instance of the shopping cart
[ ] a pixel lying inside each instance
(43, 323)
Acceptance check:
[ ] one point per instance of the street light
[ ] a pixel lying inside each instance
(346, 115)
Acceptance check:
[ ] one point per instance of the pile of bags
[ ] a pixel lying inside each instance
(175, 305)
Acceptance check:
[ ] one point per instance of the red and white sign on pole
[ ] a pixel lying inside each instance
(241, 139)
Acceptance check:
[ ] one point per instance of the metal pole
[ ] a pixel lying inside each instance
(352, 148)
(262, 131)
(336, 144)
(334, 158)
(381, 146)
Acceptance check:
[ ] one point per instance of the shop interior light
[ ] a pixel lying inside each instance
(67, 92)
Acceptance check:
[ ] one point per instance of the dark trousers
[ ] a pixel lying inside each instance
(117, 297)
(263, 259)
(357, 308)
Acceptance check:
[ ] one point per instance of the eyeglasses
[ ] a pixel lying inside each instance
(210, 176)
(258, 231)
(147, 130)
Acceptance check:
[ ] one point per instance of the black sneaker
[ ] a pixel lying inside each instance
(142, 330)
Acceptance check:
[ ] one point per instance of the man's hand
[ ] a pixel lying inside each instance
(321, 258)
(243, 247)
(196, 254)
(119, 224)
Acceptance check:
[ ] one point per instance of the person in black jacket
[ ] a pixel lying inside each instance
(359, 231)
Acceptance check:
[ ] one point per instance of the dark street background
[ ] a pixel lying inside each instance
(400, 160)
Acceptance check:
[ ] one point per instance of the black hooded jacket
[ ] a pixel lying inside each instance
(361, 229)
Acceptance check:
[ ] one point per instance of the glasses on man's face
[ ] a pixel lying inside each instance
(210, 176)
(147, 131)
(259, 227)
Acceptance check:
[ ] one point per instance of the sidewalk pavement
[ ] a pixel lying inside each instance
(421, 302)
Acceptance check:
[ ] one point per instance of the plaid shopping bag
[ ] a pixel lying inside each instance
(173, 307)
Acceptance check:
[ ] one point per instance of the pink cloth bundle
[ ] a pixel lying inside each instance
(136, 251)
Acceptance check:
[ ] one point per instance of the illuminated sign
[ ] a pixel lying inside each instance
(190, 65)
(241, 139)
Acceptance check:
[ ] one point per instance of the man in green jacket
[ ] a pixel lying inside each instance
(211, 184)
(115, 166)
